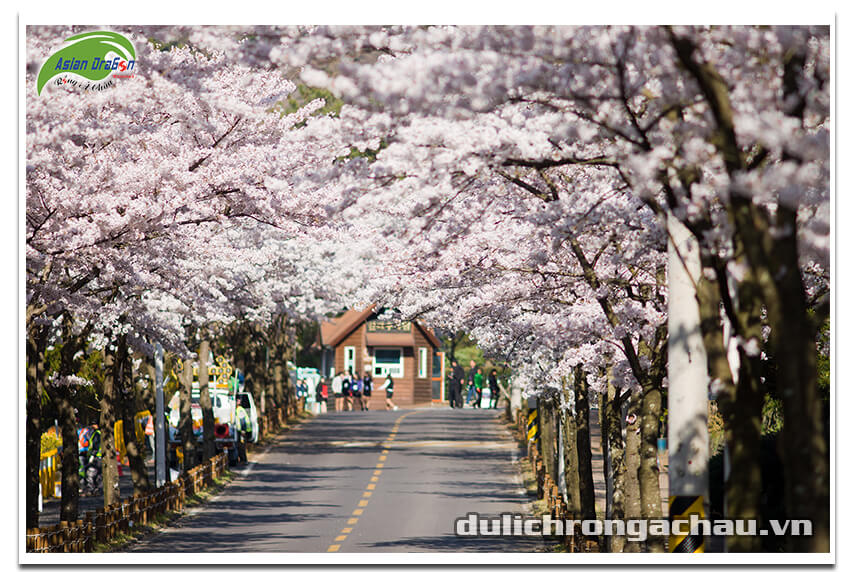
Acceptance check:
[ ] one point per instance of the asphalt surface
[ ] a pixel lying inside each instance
(375, 481)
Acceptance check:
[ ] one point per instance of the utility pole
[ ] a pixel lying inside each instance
(688, 389)
(160, 441)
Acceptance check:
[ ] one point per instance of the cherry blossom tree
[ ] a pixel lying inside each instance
(515, 182)
(736, 146)
(162, 204)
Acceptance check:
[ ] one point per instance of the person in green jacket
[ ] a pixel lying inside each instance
(479, 384)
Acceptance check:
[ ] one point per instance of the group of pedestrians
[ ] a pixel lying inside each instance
(473, 383)
(90, 453)
(303, 393)
(353, 392)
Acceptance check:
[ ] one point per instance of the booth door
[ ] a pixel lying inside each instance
(437, 389)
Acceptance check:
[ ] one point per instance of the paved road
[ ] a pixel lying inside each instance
(373, 481)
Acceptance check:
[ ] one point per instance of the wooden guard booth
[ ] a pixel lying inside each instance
(359, 341)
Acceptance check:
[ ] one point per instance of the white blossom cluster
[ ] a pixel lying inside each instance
(508, 181)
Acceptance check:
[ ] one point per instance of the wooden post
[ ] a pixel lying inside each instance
(127, 515)
(64, 535)
(100, 525)
(79, 535)
(88, 532)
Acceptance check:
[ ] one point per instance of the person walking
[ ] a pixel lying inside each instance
(478, 384)
(368, 390)
(346, 389)
(388, 386)
(455, 389)
(358, 392)
(493, 382)
(355, 390)
(337, 387)
(243, 423)
(149, 431)
(92, 459)
(470, 382)
(322, 395)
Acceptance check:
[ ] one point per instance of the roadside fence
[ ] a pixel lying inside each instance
(107, 523)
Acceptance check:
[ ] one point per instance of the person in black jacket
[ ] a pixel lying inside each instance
(368, 390)
(455, 389)
(388, 386)
(493, 382)
(346, 389)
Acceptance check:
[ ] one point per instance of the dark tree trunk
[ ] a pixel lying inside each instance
(278, 382)
(70, 488)
(740, 403)
(64, 398)
(583, 444)
(186, 428)
(613, 454)
(548, 437)
(206, 401)
(649, 477)
(632, 493)
(803, 443)
(107, 420)
(36, 342)
(128, 409)
(773, 264)
(273, 379)
(571, 465)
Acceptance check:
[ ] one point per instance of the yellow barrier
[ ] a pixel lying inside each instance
(50, 461)
(49, 473)
(119, 438)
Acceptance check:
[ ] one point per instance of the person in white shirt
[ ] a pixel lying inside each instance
(388, 386)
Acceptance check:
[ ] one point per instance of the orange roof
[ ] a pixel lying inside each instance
(429, 333)
(334, 332)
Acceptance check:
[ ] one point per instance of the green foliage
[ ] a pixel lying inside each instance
(305, 94)
(369, 154)
(466, 353)
(92, 367)
(771, 415)
(716, 429)
(167, 46)
(824, 360)
(84, 398)
(309, 353)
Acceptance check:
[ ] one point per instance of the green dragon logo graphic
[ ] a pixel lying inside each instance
(87, 57)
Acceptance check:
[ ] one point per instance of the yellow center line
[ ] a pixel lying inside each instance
(370, 487)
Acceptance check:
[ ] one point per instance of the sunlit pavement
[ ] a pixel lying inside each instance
(375, 481)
